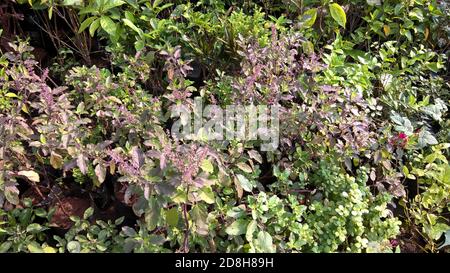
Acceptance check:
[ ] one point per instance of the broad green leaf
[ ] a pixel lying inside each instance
(246, 184)
(309, 17)
(264, 242)
(207, 166)
(31, 175)
(238, 227)
(35, 248)
(94, 26)
(4, 247)
(108, 25)
(338, 14)
(112, 4)
(86, 23)
(199, 215)
(34, 228)
(132, 26)
(152, 214)
(49, 249)
(207, 195)
(172, 217)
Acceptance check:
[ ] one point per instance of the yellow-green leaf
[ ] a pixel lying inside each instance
(338, 14)
(207, 166)
(108, 25)
(31, 175)
(207, 195)
(86, 23)
(172, 217)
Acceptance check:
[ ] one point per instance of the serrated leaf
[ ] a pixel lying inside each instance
(255, 155)
(338, 14)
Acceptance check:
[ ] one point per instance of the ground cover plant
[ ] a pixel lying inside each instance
(90, 91)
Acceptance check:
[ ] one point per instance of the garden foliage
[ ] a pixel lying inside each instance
(88, 163)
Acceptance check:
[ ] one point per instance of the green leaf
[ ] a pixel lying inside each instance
(86, 23)
(139, 45)
(251, 228)
(112, 4)
(108, 25)
(35, 248)
(426, 138)
(246, 184)
(207, 166)
(238, 227)
(49, 249)
(207, 195)
(34, 228)
(88, 213)
(338, 14)
(31, 175)
(74, 247)
(172, 217)
(94, 26)
(309, 17)
(264, 242)
(5, 247)
(152, 214)
(132, 26)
